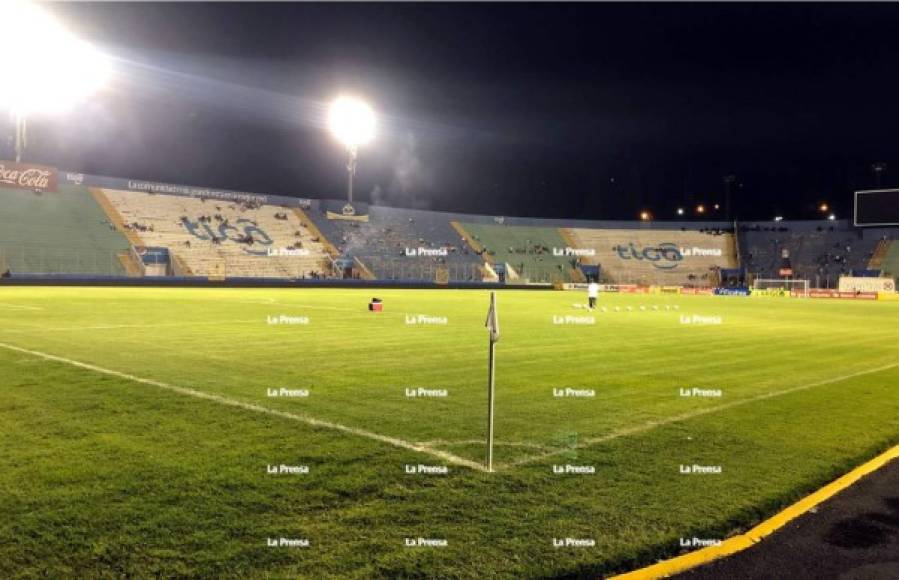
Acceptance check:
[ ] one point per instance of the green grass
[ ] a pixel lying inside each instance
(104, 476)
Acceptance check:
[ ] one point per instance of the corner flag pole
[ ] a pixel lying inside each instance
(493, 326)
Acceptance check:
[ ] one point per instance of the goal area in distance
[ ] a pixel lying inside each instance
(793, 287)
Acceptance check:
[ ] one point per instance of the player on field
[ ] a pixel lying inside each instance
(592, 293)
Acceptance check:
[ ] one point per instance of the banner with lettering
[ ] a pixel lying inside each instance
(26, 176)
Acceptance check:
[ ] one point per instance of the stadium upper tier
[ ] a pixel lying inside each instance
(64, 232)
(220, 238)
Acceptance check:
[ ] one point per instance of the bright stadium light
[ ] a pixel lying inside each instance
(778, 218)
(823, 207)
(645, 216)
(700, 208)
(51, 70)
(353, 123)
(680, 211)
(832, 217)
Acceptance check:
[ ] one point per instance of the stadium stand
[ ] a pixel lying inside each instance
(890, 263)
(118, 227)
(815, 252)
(655, 256)
(526, 251)
(401, 244)
(65, 232)
(216, 238)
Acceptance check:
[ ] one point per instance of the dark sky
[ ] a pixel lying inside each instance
(555, 110)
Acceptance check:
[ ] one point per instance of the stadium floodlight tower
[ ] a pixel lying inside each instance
(49, 70)
(353, 124)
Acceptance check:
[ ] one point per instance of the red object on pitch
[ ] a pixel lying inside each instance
(376, 305)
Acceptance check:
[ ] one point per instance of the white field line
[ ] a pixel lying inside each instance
(443, 455)
(20, 306)
(120, 326)
(698, 413)
(444, 443)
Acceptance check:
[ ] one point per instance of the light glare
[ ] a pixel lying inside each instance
(352, 121)
(52, 70)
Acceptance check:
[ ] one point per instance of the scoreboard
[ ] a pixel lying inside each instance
(877, 207)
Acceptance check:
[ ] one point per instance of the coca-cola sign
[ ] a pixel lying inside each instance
(22, 176)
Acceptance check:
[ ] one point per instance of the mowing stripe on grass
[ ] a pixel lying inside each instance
(448, 457)
(700, 412)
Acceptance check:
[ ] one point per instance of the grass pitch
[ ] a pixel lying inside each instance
(137, 429)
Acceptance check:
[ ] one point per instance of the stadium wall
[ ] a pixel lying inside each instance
(194, 281)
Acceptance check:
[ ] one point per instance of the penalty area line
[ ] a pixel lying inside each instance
(222, 400)
(650, 425)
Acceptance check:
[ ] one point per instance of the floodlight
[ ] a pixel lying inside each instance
(824, 207)
(832, 217)
(680, 211)
(352, 121)
(700, 208)
(645, 215)
(52, 70)
(778, 218)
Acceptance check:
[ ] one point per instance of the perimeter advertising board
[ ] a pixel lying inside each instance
(857, 284)
(27, 176)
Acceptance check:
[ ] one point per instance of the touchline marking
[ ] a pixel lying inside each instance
(137, 326)
(698, 413)
(448, 457)
(20, 306)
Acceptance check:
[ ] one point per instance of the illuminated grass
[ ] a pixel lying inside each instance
(103, 476)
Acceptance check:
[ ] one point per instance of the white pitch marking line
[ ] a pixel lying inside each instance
(443, 443)
(449, 457)
(20, 306)
(138, 326)
(698, 413)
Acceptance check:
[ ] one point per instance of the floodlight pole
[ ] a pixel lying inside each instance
(351, 171)
(21, 139)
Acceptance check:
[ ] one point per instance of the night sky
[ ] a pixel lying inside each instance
(548, 110)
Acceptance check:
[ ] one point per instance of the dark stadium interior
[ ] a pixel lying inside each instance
(593, 110)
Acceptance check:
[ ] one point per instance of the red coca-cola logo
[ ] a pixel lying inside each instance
(22, 176)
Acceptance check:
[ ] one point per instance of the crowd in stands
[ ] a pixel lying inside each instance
(138, 227)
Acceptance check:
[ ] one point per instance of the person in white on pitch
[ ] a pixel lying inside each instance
(592, 294)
